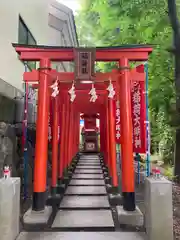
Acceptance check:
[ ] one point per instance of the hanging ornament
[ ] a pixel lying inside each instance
(93, 94)
(111, 90)
(55, 89)
(72, 93)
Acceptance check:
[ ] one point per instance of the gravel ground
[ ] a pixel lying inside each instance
(176, 210)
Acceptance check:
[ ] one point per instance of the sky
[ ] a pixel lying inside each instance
(73, 4)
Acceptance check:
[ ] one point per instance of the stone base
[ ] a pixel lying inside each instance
(134, 218)
(110, 189)
(9, 208)
(53, 200)
(105, 169)
(115, 199)
(65, 180)
(33, 217)
(70, 172)
(71, 168)
(61, 189)
(106, 175)
(107, 180)
(158, 209)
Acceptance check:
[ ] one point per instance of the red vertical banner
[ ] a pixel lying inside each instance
(138, 116)
(138, 113)
(117, 121)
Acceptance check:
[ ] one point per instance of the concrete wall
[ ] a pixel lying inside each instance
(35, 15)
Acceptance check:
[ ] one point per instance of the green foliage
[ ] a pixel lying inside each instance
(168, 172)
(116, 22)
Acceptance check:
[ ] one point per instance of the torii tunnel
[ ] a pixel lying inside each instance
(66, 114)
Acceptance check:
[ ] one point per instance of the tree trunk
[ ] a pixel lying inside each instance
(177, 87)
(176, 50)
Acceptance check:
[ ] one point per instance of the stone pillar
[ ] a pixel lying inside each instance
(158, 209)
(9, 208)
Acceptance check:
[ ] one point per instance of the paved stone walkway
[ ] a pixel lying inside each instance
(85, 205)
(80, 236)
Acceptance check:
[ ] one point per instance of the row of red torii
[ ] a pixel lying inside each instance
(66, 113)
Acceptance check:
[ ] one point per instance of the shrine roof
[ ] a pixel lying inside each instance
(125, 46)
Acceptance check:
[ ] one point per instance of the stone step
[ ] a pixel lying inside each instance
(88, 171)
(87, 176)
(84, 202)
(88, 164)
(88, 167)
(83, 219)
(86, 190)
(89, 182)
(80, 235)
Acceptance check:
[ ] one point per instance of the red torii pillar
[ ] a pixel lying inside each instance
(112, 144)
(41, 148)
(77, 134)
(128, 182)
(76, 127)
(62, 145)
(70, 134)
(108, 141)
(55, 146)
(102, 136)
(67, 119)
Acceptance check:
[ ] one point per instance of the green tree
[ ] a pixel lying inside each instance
(117, 22)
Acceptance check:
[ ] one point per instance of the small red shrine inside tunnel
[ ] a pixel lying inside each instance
(66, 106)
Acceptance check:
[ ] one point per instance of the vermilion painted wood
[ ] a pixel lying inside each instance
(35, 53)
(67, 119)
(55, 143)
(120, 78)
(126, 131)
(62, 144)
(41, 149)
(107, 138)
(112, 143)
(101, 79)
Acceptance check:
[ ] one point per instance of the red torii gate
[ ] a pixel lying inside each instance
(69, 137)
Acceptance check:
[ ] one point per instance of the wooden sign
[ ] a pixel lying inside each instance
(84, 63)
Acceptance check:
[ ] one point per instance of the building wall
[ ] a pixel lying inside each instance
(50, 23)
(35, 15)
(62, 30)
